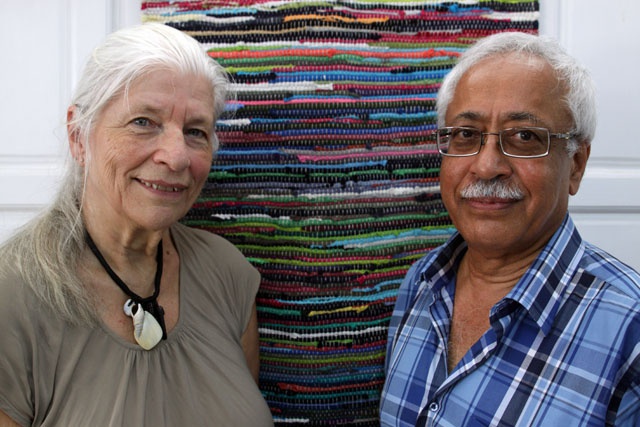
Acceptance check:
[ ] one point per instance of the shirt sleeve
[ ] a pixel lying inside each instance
(629, 411)
(221, 265)
(16, 342)
(246, 283)
(406, 295)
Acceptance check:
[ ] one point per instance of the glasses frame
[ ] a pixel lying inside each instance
(483, 140)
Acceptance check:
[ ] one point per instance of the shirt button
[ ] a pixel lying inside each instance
(433, 406)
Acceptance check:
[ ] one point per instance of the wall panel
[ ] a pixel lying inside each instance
(605, 38)
(45, 44)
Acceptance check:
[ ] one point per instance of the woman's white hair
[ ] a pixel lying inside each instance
(46, 252)
(580, 89)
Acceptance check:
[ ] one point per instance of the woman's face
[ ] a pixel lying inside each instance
(151, 152)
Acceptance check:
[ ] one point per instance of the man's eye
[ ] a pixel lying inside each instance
(526, 135)
(464, 134)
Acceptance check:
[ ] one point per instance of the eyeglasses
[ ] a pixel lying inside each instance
(521, 142)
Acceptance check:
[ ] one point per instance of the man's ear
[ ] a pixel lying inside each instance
(76, 143)
(578, 166)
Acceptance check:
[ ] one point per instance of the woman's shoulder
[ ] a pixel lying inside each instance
(204, 245)
(13, 289)
(21, 311)
(207, 258)
(195, 236)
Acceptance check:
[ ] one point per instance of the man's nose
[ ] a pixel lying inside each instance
(491, 162)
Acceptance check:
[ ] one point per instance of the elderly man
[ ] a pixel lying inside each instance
(515, 320)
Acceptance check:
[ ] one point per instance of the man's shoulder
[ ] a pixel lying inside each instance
(428, 270)
(606, 267)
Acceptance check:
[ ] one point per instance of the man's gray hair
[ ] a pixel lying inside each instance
(580, 96)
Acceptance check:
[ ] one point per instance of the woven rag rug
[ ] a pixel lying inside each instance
(327, 179)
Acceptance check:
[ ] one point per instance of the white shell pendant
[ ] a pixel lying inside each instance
(146, 329)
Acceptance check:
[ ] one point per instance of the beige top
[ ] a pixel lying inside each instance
(54, 374)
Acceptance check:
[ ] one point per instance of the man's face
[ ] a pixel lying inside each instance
(498, 93)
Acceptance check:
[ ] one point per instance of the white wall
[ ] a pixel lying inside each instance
(606, 39)
(45, 43)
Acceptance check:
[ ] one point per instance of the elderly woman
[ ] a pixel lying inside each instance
(113, 313)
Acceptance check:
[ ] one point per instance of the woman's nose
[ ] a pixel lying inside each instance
(172, 150)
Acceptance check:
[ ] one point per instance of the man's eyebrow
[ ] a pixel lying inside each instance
(468, 115)
(520, 116)
(523, 116)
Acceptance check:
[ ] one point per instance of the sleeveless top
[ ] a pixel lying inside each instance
(56, 374)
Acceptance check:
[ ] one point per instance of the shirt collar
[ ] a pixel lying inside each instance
(540, 290)
(441, 268)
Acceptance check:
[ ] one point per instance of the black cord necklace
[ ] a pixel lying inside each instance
(148, 304)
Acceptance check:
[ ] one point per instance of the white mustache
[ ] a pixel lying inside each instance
(494, 188)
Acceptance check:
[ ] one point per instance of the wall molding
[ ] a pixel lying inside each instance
(609, 185)
(29, 182)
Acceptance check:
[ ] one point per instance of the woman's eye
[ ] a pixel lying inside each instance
(198, 134)
(141, 121)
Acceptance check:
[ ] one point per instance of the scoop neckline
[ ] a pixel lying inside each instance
(171, 336)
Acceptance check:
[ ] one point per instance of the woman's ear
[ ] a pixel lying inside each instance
(76, 143)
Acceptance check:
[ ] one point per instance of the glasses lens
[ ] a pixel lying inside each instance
(458, 141)
(525, 142)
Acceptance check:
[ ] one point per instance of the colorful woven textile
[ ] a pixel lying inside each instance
(327, 179)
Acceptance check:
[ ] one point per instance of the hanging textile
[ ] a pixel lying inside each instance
(327, 179)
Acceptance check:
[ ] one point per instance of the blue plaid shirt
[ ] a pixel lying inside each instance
(563, 348)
